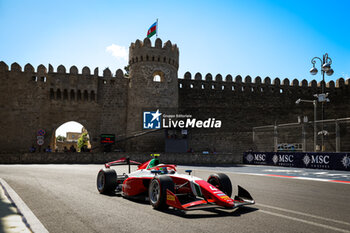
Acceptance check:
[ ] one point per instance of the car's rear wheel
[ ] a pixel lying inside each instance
(221, 182)
(157, 191)
(106, 181)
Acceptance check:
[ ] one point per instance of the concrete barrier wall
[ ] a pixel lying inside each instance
(99, 158)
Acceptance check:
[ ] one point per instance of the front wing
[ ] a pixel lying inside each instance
(243, 198)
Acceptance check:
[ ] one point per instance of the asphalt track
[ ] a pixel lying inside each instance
(64, 198)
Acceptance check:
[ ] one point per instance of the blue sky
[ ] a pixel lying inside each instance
(70, 126)
(252, 37)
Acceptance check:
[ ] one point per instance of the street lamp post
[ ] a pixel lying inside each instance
(315, 111)
(325, 68)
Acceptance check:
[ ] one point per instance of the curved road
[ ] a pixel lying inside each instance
(65, 199)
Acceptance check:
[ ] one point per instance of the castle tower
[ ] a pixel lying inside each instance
(153, 85)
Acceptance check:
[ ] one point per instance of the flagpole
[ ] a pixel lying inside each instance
(157, 29)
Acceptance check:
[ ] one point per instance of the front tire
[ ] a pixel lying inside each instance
(157, 191)
(106, 181)
(222, 182)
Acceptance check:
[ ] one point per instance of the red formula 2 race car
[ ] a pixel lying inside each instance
(164, 187)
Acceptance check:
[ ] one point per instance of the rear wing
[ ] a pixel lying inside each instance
(122, 161)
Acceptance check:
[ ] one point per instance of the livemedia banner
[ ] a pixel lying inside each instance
(331, 161)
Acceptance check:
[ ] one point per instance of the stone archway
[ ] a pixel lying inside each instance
(72, 137)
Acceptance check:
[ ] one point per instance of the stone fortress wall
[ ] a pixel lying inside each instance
(243, 105)
(44, 98)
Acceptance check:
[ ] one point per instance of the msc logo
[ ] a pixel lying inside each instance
(260, 157)
(346, 161)
(151, 120)
(250, 158)
(316, 159)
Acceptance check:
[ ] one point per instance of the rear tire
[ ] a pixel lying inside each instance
(106, 181)
(221, 182)
(157, 191)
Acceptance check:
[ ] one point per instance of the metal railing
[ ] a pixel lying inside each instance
(336, 133)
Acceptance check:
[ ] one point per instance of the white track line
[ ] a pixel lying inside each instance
(292, 211)
(30, 219)
(274, 176)
(303, 214)
(305, 221)
(288, 177)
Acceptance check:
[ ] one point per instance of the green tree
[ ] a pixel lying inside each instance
(126, 68)
(60, 138)
(82, 141)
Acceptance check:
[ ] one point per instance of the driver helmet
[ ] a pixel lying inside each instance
(154, 162)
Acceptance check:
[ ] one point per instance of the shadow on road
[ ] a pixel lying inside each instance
(213, 213)
(205, 213)
(8, 215)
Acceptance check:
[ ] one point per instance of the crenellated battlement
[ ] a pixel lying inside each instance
(256, 86)
(63, 85)
(73, 70)
(198, 81)
(144, 52)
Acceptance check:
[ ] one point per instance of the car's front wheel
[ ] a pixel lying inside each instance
(222, 182)
(157, 191)
(106, 181)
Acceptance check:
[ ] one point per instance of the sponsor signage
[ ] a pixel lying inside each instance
(290, 147)
(332, 161)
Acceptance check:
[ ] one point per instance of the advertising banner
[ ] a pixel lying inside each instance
(322, 160)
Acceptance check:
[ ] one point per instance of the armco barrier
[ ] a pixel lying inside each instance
(99, 158)
(331, 161)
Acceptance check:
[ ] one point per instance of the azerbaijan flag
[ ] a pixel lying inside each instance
(152, 30)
